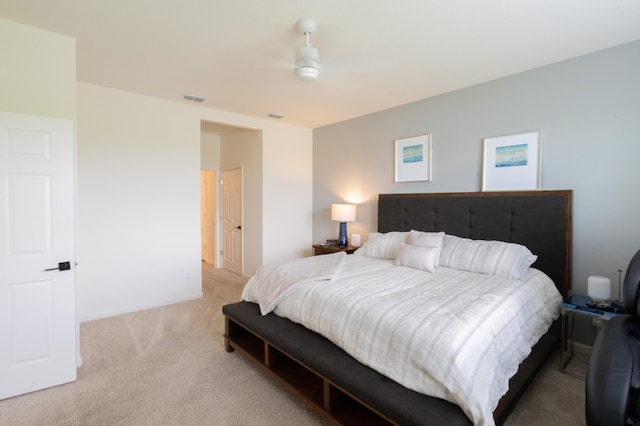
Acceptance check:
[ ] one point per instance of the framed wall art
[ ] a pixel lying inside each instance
(413, 159)
(512, 162)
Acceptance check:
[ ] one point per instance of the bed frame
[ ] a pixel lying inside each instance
(341, 390)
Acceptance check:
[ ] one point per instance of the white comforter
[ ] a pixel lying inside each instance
(279, 279)
(452, 334)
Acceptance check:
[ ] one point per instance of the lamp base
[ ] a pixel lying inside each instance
(343, 241)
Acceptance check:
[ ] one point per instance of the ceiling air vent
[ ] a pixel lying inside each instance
(194, 98)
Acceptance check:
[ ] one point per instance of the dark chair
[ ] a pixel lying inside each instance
(613, 377)
(630, 286)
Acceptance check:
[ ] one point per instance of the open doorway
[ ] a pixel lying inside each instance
(208, 196)
(225, 148)
(209, 166)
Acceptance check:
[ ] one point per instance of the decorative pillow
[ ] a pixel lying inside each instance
(417, 257)
(487, 257)
(427, 239)
(382, 246)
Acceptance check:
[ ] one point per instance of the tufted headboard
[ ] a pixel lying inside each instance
(540, 220)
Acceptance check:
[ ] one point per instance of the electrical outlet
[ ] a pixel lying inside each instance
(597, 322)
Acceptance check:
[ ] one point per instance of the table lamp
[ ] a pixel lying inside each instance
(343, 213)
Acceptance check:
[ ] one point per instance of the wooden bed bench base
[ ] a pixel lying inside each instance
(337, 387)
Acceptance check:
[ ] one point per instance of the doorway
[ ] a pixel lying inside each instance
(225, 148)
(208, 224)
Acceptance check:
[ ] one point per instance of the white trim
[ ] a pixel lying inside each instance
(130, 309)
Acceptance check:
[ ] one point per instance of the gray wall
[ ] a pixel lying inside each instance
(588, 109)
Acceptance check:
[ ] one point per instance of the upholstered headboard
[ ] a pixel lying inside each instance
(540, 220)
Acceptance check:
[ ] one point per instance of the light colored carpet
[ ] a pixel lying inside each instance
(168, 366)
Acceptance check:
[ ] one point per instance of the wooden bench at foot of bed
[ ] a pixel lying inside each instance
(337, 387)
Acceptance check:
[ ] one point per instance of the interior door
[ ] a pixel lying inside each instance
(37, 250)
(232, 220)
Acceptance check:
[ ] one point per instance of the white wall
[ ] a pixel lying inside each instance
(139, 198)
(287, 193)
(37, 71)
(209, 151)
(139, 202)
(588, 111)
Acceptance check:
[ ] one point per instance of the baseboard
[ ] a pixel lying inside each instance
(129, 309)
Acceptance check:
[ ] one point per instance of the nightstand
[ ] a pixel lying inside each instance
(332, 248)
(576, 304)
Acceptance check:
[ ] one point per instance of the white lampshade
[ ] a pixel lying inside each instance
(343, 212)
(599, 288)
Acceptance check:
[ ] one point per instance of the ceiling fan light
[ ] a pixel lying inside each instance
(307, 73)
(306, 64)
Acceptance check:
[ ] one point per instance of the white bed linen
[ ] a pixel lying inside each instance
(279, 279)
(452, 334)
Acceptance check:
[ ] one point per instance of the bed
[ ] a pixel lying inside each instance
(348, 381)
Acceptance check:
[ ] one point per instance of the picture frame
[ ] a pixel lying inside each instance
(413, 159)
(512, 162)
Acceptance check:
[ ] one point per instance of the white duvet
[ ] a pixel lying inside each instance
(452, 334)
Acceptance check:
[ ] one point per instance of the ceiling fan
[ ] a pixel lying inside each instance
(306, 66)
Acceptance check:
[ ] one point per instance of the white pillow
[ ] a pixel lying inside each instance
(487, 257)
(417, 257)
(382, 246)
(427, 239)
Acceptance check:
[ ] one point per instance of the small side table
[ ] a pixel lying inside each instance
(332, 248)
(577, 305)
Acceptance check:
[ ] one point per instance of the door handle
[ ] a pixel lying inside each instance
(62, 266)
(239, 227)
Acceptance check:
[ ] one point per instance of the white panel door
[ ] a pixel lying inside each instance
(37, 220)
(232, 220)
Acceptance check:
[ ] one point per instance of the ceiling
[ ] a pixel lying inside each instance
(374, 54)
